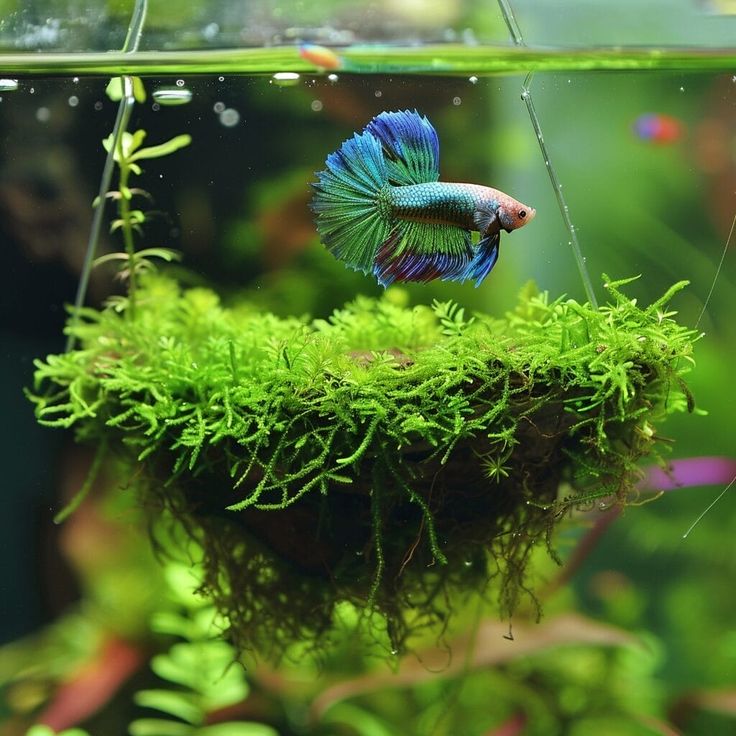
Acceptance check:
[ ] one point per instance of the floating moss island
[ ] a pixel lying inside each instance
(390, 457)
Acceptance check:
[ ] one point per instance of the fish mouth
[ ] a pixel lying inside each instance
(530, 214)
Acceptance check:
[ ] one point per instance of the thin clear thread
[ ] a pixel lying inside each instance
(718, 272)
(697, 322)
(710, 506)
(526, 95)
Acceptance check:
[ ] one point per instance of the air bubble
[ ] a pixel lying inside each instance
(332, 78)
(457, 101)
(210, 31)
(172, 96)
(229, 117)
(43, 114)
(179, 82)
(73, 101)
(75, 80)
(285, 79)
(218, 107)
(473, 79)
(8, 85)
(220, 79)
(378, 93)
(98, 105)
(316, 105)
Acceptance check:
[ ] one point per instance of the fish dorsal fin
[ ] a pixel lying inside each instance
(410, 146)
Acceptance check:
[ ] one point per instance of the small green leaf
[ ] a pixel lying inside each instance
(163, 149)
(114, 89)
(136, 140)
(165, 254)
(237, 728)
(139, 91)
(160, 727)
(109, 257)
(173, 703)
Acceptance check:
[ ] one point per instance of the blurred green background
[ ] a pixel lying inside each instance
(645, 638)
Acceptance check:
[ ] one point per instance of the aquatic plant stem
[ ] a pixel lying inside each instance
(121, 123)
(526, 95)
(124, 209)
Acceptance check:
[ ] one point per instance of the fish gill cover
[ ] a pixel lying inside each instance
(387, 456)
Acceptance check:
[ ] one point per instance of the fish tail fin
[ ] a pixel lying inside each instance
(351, 202)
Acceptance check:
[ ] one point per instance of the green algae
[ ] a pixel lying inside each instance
(390, 457)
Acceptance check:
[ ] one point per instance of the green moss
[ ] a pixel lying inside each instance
(388, 456)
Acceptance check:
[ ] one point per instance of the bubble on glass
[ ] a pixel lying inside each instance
(473, 79)
(220, 79)
(172, 96)
(32, 90)
(179, 82)
(98, 105)
(682, 89)
(155, 107)
(43, 114)
(378, 93)
(73, 101)
(210, 31)
(316, 105)
(8, 85)
(229, 117)
(218, 107)
(285, 79)
(457, 101)
(332, 78)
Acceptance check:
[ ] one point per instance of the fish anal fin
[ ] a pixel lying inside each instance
(422, 251)
(484, 258)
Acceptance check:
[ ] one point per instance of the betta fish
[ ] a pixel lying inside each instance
(381, 209)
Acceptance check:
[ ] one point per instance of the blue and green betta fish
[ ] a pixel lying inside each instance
(381, 210)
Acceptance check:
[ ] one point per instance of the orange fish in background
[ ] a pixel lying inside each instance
(658, 128)
(320, 56)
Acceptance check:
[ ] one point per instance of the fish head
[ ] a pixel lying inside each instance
(512, 214)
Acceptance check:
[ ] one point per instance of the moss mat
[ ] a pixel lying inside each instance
(390, 456)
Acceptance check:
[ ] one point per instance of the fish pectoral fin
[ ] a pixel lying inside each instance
(410, 145)
(422, 251)
(484, 258)
(486, 220)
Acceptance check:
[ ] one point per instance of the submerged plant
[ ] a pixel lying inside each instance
(386, 457)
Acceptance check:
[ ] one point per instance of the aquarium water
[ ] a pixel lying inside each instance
(628, 157)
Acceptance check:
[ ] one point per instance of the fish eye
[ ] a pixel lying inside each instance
(522, 214)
